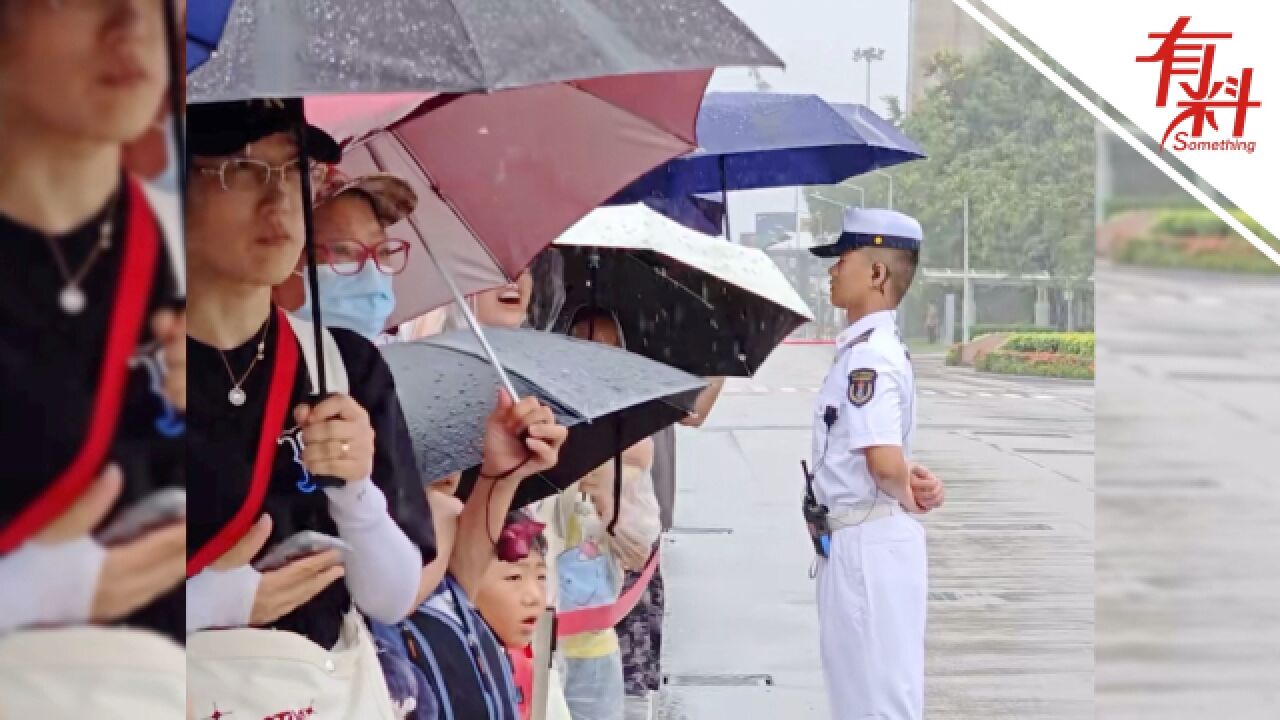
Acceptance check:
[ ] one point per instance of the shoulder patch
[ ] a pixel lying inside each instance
(862, 386)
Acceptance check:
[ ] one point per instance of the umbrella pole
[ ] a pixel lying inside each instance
(313, 277)
(473, 324)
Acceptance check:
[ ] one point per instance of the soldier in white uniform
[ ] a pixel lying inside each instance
(872, 586)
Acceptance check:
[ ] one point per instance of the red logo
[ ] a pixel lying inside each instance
(303, 714)
(1191, 54)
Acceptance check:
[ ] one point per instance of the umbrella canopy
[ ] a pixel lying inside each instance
(704, 213)
(330, 46)
(205, 20)
(500, 175)
(750, 140)
(707, 307)
(609, 399)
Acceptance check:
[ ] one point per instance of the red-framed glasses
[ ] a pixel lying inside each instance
(348, 257)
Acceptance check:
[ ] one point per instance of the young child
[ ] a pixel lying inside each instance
(510, 601)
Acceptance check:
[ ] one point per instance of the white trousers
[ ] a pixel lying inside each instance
(872, 595)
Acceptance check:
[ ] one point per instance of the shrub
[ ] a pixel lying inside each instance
(1121, 204)
(980, 329)
(1079, 344)
(1040, 364)
(953, 355)
(1157, 252)
(1185, 223)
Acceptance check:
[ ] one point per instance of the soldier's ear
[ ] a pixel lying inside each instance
(879, 276)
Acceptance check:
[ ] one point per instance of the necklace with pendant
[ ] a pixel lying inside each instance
(72, 298)
(236, 395)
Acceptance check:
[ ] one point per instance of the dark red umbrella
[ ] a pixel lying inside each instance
(500, 175)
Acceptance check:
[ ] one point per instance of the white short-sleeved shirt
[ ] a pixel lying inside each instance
(872, 387)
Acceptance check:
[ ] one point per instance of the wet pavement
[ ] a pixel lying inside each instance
(1188, 566)
(1011, 566)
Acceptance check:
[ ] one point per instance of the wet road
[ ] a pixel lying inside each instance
(1188, 561)
(1011, 567)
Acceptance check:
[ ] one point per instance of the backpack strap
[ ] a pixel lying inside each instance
(335, 368)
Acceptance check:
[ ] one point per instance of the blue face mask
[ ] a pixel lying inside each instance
(360, 302)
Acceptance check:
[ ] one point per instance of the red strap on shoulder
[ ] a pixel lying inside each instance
(133, 291)
(603, 617)
(283, 373)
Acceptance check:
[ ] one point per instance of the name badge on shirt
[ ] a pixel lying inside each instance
(862, 386)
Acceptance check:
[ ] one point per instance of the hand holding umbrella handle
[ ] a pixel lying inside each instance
(324, 481)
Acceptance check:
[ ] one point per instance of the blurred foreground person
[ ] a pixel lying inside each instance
(92, 371)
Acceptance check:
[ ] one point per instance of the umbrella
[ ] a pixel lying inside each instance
(704, 213)
(501, 175)
(317, 48)
(330, 46)
(205, 20)
(752, 140)
(608, 398)
(706, 307)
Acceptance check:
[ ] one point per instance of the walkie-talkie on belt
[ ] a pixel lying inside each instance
(815, 516)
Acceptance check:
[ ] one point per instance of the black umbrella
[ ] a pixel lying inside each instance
(608, 398)
(337, 46)
(696, 303)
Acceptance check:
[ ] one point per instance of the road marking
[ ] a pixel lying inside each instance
(1015, 396)
(954, 393)
(985, 394)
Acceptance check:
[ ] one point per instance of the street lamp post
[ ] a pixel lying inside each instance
(868, 55)
(966, 313)
(890, 179)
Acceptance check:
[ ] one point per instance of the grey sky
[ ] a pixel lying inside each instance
(816, 38)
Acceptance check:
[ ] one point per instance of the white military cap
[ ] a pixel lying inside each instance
(873, 227)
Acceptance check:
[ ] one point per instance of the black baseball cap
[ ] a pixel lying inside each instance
(224, 128)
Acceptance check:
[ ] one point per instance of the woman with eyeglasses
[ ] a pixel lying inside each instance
(91, 362)
(357, 260)
(260, 442)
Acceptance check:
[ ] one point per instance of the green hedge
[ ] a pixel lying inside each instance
(1185, 223)
(1153, 252)
(1065, 343)
(979, 329)
(1121, 204)
(953, 355)
(1076, 367)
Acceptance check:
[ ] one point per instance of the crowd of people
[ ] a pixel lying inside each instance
(307, 530)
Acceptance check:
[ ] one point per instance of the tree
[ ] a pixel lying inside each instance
(1000, 133)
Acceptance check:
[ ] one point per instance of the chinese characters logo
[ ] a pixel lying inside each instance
(1191, 54)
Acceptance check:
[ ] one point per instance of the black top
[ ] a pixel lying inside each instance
(223, 439)
(49, 371)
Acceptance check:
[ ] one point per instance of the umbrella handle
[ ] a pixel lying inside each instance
(473, 324)
(324, 481)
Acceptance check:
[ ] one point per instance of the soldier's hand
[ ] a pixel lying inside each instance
(926, 487)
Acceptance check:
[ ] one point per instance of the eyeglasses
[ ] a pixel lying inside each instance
(348, 257)
(248, 174)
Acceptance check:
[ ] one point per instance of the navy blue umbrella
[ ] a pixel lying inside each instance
(704, 213)
(751, 140)
(205, 21)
